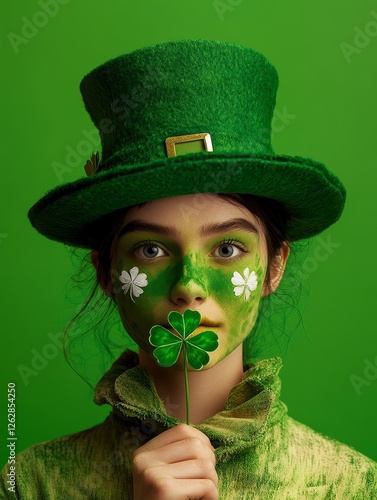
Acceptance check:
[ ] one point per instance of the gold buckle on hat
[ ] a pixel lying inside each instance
(203, 142)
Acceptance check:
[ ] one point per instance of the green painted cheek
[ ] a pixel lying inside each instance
(240, 313)
(222, 287)
(139, 316)
(160, 284)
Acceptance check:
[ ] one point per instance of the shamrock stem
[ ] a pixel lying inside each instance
(186, 384)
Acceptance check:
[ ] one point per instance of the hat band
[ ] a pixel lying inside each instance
(153, 149)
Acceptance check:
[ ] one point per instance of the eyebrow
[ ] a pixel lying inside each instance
(209, 229)
(140, 226)
(230, 225)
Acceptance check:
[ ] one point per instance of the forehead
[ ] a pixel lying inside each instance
(192, 212)
(192, 219)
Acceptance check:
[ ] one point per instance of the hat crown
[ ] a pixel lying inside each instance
(139, 99)
(217, 92)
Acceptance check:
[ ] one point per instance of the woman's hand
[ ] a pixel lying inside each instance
(179, 464)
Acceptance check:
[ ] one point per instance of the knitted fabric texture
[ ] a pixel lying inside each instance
(261, 452)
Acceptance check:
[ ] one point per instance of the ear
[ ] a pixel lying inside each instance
(106, 287)
(277, 268)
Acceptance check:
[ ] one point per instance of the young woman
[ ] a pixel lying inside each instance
(189, 217)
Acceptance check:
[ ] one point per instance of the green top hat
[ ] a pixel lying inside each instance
(186, 117)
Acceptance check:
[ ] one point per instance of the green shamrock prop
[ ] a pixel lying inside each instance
(195, 347)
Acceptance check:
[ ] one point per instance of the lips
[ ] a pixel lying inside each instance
(209, 323)
(205, 322)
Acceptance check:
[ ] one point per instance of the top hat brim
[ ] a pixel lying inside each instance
(313, 197)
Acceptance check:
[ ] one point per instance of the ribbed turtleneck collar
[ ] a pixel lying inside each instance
(251, 407)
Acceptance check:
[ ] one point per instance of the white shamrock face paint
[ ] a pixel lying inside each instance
(244, 285)
(133, 282)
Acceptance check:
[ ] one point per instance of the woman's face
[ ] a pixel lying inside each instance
(190, 258)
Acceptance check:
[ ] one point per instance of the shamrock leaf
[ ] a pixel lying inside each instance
(169, 345)
(133, 281)
(195, 347)
(244, 285)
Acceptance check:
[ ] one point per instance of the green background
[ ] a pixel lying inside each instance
(331, 103)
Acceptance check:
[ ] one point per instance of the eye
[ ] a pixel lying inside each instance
(149, 251)
(226, 250)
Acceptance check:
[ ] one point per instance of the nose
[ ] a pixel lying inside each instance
(189, 287)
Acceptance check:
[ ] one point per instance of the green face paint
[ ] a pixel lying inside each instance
(226, 291)
(239, 310)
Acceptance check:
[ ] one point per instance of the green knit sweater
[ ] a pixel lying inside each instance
(261, 452)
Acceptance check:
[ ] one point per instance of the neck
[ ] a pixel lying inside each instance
(209, 389)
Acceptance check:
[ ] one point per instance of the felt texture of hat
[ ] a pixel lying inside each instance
(138, 100)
